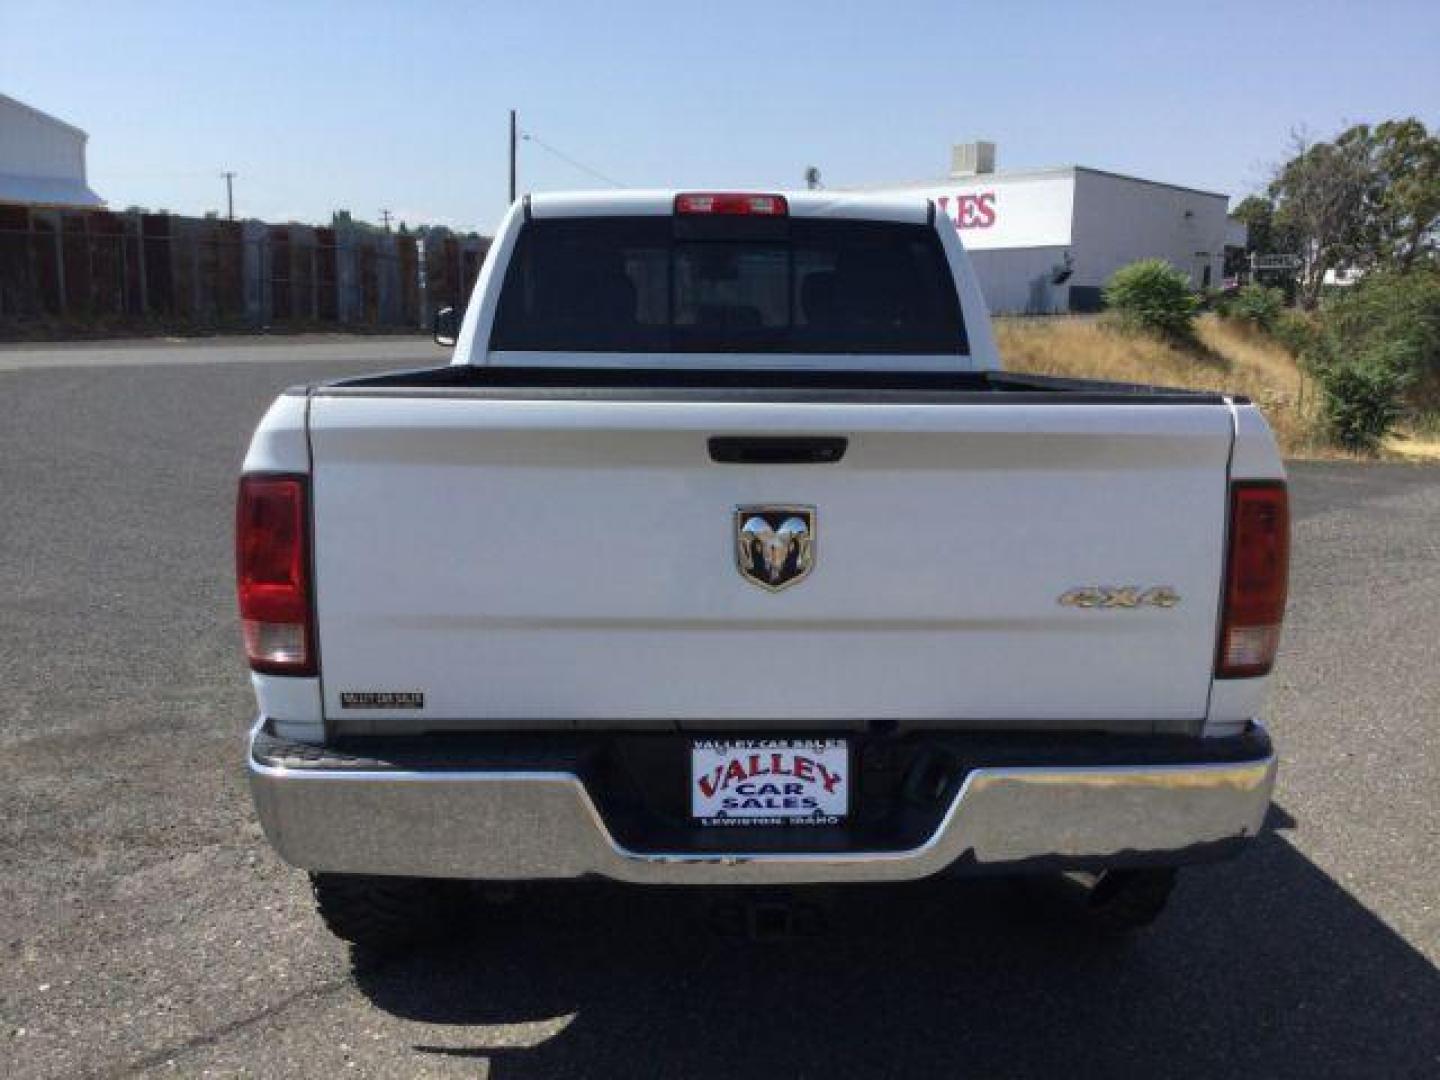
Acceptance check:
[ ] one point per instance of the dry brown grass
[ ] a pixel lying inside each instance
(1413, 446)
(1230, 357)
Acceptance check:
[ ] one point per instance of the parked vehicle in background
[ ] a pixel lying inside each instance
(725, 553)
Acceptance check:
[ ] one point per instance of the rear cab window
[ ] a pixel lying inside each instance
(728, 284)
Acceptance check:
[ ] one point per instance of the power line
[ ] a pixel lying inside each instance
(531, 137)
(385, 217)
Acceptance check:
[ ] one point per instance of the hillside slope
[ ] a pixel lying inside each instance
(1231, 358)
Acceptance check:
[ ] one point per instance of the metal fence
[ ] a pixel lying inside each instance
(78, 270)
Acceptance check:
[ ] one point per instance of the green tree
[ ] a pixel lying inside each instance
(1402, 229)
(1320, 200)
(1264, 236)
(344, 221)
(1369, 200)
(1257, 214)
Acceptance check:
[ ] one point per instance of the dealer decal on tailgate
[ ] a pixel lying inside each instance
(382, 699)
(769, 781)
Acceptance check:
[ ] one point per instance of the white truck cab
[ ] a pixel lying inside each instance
(724, 552)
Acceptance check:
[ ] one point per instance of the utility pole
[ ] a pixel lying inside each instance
(229, 194)
(512, 156)
(385, 217)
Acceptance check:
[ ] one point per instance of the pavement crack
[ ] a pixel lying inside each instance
(211, 1038)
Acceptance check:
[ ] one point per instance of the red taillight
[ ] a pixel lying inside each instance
(1257, 570)
(272, 572)
(712, 202)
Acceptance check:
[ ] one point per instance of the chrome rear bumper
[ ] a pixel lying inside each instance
(491, 824)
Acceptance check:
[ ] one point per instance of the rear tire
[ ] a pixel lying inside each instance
(382, 914)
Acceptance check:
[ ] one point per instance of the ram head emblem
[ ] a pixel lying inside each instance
(774, 545)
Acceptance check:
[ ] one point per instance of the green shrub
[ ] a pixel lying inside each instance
(1259, 305)
(1396, 313)
(1217, 300)
(1297, 331)
(1361, 394)
(1152, 295)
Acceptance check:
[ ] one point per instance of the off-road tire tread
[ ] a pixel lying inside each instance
(380, 914)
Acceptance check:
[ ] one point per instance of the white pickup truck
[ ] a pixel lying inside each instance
(724, 552)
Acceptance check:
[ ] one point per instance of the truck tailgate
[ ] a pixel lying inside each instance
(506, 561)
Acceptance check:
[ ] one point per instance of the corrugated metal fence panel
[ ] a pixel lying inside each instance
(82, 268)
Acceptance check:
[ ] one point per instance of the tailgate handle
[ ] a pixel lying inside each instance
(777, 449)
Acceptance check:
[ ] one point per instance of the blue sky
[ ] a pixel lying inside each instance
(359, 105)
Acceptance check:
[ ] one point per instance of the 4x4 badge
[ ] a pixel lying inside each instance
(774, 545)
(1121, 596)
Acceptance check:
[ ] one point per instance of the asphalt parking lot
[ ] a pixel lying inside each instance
(145, 926)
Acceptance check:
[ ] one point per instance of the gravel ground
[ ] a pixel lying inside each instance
(145, 927)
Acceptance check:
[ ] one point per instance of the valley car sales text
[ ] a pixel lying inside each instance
(765, 779)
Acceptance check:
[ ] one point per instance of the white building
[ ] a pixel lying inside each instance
(1046, 240)
(42, 159)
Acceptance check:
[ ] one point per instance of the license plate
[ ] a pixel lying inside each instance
(752, 782)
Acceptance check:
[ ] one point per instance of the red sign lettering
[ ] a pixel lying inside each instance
(970, 211)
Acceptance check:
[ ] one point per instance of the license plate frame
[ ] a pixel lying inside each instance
(784, 782)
